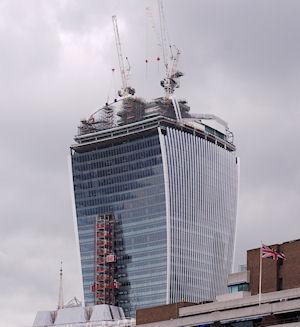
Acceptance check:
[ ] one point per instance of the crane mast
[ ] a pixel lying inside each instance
(125, 90)
(174, 63)
(172, 74)
(170, 82)
(163, 33)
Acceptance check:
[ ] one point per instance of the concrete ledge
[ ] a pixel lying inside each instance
(238, 303)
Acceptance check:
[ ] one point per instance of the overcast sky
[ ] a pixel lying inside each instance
(241, 61)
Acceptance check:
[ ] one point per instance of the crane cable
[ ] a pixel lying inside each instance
(147, 13)
(112, 85)
(151, 26)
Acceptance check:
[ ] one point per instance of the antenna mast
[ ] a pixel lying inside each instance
(60, 293)
(126, 90)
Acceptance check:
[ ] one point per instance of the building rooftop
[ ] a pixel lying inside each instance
(132, 113)
(208, 127)
(278, 306)
(128, 110)
(78, 316)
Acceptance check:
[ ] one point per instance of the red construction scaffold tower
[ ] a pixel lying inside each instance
(105, 285)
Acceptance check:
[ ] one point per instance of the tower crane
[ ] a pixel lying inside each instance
(171, 81)
(172, 74)
(125, 90)
(163, 33)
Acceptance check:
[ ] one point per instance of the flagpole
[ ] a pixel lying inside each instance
(260, 274)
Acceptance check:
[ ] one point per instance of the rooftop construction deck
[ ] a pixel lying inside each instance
(209, 127)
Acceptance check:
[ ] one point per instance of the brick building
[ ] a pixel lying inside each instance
(276, 275)
(241, 307)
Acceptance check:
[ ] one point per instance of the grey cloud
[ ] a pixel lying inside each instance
(241, 62)
(28, 42)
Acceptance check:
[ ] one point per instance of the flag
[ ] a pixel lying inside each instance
(267, 252)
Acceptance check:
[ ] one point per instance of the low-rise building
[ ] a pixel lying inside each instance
(279, 303)
(276, 275)
(281, 308)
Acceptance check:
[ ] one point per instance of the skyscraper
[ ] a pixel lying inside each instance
(156, 201)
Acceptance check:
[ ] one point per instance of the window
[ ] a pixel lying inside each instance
(238, 288)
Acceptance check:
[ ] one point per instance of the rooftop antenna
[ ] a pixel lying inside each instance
(125, 90)
(60, 293)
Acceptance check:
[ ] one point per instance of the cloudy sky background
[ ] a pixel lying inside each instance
(241, 61)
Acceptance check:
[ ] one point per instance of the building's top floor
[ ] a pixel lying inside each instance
(135, 115)
(208, 127)
(129, 110)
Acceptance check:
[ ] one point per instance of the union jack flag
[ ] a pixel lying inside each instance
(267, 252)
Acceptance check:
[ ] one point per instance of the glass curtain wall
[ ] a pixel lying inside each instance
(125, 179)
(174, 198)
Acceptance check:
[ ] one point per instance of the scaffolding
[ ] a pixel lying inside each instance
(105, 284)
(133, 109)
(165, 107)
(129, 110)
(103, 118)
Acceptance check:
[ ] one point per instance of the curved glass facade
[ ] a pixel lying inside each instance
(173, 194)
(202, 203)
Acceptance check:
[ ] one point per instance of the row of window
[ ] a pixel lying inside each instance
(159, 270)
(141, 189)
(149, 225)
(129, 221)
(117, 179)
(144, 240)
(115, 161)
(144, 301)
(77, 176)
(147, 290)
(144, 226)
(137, 214)
(117, 150)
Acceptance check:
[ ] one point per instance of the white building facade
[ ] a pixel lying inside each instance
(201, 182)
